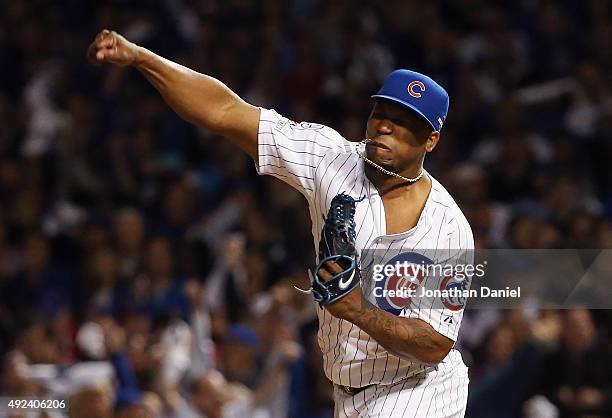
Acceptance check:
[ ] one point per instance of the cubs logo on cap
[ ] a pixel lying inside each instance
(419, 93)
(413, 86)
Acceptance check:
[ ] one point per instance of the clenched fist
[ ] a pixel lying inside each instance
(111, 47)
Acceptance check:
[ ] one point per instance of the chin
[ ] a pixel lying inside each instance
(382, 158)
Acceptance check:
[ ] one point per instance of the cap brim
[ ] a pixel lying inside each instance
(408, 105)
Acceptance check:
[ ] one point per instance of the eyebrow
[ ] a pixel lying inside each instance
(400, 115)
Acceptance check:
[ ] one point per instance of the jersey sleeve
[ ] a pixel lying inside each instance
(292, 151)
(444, 314)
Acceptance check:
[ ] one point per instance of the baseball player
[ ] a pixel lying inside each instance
(383, 363)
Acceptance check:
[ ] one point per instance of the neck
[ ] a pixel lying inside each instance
(386, 184)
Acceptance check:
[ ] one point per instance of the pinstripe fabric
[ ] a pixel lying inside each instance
(440, 393)
(320, 163)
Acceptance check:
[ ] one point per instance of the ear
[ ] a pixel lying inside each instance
(432, 141)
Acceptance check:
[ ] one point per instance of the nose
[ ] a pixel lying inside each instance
(384, 127)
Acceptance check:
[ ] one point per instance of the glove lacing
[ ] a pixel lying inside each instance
(344, 210)
(343, 222)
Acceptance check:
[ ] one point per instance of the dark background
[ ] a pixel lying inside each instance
(116, 216)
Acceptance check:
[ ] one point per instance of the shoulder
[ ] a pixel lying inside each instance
(271, 122)
(454, 218)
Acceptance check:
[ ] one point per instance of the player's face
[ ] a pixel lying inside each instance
(399, 137)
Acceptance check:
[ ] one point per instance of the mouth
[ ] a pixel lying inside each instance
(377, 144)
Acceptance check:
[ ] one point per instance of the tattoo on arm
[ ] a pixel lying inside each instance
(408, 338)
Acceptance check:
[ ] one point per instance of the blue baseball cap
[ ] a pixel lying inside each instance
(419, 93)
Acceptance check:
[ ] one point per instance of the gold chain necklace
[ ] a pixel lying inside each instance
(387, 172)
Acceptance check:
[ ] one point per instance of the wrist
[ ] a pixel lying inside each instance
(360, 318)
(140, 55)
(353, 316)
(355, 311)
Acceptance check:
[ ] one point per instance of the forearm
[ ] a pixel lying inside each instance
(408, 338)
(201, 99)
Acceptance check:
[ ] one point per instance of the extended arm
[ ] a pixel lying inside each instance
(195, 97)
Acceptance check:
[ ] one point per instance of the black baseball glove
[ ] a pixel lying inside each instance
(337, 244)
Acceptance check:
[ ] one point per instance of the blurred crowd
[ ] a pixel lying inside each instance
(146, 270)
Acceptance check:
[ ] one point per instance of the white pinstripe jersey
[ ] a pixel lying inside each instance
(320, 163)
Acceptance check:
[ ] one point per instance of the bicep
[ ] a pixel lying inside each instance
(240, 125)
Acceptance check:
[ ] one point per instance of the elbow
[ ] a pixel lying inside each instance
(437, 353)
(430, 356)
(433, 358)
